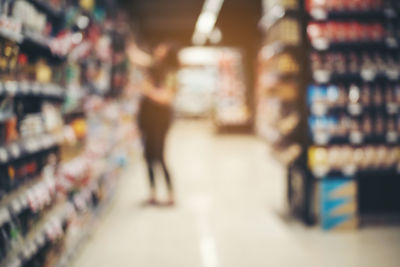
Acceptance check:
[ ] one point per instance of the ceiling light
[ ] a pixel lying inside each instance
(212, 5)
(206, 22)
(216, 36)
(199, 38)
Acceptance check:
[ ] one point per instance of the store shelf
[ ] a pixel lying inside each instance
(366, 75)
(323, 44)
(34, 163)
(10, 29)
(320, 14)
(38, 44)
(355, 138)
(337, 120)
(14, 198)
(351, 172)
(31, 89)
(353, 110)
(36, 238)
(28, 147)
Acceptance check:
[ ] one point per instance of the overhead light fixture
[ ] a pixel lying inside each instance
(215, 36)
(198, 38)
(206, 21)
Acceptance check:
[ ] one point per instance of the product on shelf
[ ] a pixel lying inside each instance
(345, 6)
(338, 207)
(231, 103)
(286, 31)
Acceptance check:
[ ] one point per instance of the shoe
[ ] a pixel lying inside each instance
(152, 201)
(171, 200)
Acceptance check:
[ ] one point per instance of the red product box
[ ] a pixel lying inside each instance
(376, 32)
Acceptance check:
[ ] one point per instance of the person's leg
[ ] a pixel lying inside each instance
(150, 169)
(166, 175)
(150, 162)
(164, 166)
(168, 181)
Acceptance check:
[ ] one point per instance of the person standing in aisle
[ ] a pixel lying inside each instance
(155, 114)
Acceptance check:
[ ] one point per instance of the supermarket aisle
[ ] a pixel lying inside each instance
(229, 192)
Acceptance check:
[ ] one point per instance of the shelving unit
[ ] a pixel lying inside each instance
(65, 134)
(345, 164)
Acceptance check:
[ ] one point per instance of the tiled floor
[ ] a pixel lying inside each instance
(229, 192)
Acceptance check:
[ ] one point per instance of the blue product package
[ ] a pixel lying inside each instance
(332, 94)
(316, 94)
(338, 203)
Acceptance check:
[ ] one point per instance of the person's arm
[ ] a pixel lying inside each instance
(164, 95)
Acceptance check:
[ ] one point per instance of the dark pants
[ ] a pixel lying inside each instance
(154, 153)
(154, 122)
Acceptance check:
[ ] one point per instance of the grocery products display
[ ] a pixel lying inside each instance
(328, 103)
(65, 132)
(197, 86)
(231, 107)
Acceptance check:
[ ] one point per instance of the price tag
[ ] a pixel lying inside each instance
(4, 216)
(15, 263)
(15, 150)
(3, 155)
(322, 76)
(26, 252)
(349, 170)
(368, 74)
(320, 43)
(30, 249)
(36, 88)
(356, 137)
(45, 142)
(32, 145)
(391, 137)
(355, 109)
(24, 200)
(321, 138)
(320, 171)
(11, 88)
(391, 42)
(16, 206)
(319, 13)
(392, 74)
(10, 28)
(390, 13)
(24, 87)
(392, 108)
(34, 248)
(40, 239)
(28, 145)
(59, 90)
